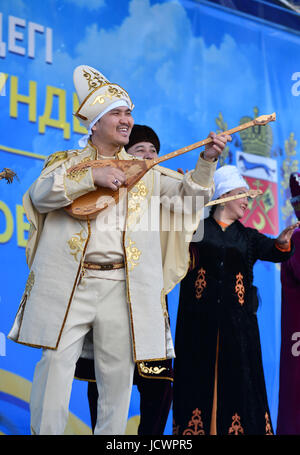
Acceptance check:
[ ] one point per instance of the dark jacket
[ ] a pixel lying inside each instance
(217, 313)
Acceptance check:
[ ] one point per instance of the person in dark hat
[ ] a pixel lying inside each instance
(153, 379)
(143, 142)
(288, 421)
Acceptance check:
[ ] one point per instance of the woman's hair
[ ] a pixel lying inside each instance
(214, 207)
(212, 210)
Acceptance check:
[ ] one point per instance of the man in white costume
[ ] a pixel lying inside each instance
(114, 280)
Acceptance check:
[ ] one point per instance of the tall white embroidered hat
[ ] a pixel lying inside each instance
(227, 178)
(97, 96)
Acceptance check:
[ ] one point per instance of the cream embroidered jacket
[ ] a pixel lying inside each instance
(156, 257)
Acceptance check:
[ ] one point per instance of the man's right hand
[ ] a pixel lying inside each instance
(214, 149)
(109, 177)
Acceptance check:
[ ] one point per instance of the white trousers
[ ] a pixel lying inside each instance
(101, 305)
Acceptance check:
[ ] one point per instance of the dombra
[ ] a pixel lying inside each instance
(89, 205)
(249, 193)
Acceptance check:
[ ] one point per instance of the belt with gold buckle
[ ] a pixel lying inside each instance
(96, 266)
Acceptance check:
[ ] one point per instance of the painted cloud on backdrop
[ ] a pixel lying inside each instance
(150, 54)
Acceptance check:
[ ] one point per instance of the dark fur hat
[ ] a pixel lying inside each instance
(143, 133)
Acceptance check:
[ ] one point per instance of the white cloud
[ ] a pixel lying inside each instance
(168, 71)
(177, 82)
(19, 8)
(152, 51)
(91, 5)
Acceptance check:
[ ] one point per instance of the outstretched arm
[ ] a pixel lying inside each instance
(284, 238)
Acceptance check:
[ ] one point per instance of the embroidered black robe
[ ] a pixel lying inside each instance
(216, 314)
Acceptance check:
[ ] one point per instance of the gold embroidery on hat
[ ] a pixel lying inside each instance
(115, 92)
(236, 427)
(99, 99)
(239, 288)
(200, 283)
(94, 80)
(111, 92)
(195, 425)
(76, 243)
(91, 94)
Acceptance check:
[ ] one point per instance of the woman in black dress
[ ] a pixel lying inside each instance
(219, 385)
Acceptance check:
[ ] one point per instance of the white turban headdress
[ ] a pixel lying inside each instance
(227, 178)
(97, 96)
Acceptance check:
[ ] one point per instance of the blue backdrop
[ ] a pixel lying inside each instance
(190, 67)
